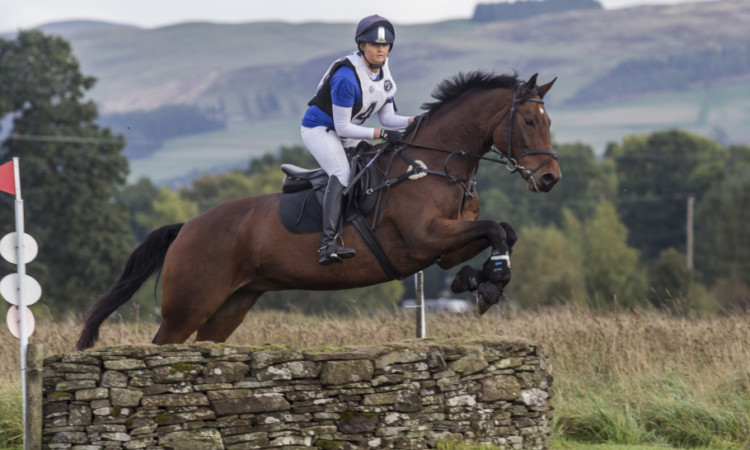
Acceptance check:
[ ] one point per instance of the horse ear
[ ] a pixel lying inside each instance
(546, 87)
(529, 86)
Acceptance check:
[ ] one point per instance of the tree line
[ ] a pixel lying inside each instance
(611, 233)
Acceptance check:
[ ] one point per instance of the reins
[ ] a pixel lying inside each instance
(418, 169)
(511, 163)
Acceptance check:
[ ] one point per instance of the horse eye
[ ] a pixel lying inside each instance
(528, 122)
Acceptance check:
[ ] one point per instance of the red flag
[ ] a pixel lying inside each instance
(7, 178)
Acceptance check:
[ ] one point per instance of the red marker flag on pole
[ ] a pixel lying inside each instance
(7, 178)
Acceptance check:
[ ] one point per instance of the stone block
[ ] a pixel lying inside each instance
(124, 364)
(92, 394)
(113, 378)
(125, 397)
(400, 357)
(250, 405)
(176, 373)
(192, 399)
(534, 397)
(501, 387)
(176, 359)
(265, 358)
(81, 358)
(289, 370)
(343, 372)
(468, 364)
(66, 386)
(204, 439)
(506, 363)
(66, 368)
(223, 372)
(79, 415)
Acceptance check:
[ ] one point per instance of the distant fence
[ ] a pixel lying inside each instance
(412, 394)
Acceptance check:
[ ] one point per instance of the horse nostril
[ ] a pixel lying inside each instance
(548, 180)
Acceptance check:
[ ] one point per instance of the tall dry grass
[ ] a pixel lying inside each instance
(629, 378)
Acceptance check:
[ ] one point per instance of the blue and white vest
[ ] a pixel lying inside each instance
(375, 94)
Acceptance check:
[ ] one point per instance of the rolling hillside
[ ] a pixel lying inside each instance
(259, 76)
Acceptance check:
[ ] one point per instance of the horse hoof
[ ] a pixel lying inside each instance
(482, 305)
(464, 280)
(488, 295)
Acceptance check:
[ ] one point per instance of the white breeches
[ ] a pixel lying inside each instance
(328, 150)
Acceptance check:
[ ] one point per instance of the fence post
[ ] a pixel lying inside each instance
(419, 294)
(32, 435)
(689, 229)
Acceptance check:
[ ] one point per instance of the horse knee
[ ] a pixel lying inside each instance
(510, 234)
(498, 237)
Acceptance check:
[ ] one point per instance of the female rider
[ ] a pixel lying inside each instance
(353, 89)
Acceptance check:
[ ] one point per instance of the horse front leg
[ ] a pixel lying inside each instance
(453, 239)
(490, 281)
(454, 258)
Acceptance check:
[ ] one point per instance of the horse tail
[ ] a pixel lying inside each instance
(145, 260)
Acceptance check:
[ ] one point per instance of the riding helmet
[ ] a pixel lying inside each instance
(375, 29)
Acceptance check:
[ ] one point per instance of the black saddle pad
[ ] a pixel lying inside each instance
(302, 211)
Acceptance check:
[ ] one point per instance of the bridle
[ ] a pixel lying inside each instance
(506, 158)
(511, 163)
(416, 170)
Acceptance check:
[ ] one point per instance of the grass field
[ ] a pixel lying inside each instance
(624, 380)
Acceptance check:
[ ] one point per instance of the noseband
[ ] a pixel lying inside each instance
(511, 163)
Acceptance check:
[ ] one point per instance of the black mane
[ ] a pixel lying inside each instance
(458, 85)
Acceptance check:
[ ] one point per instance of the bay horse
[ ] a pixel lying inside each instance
(215, 266)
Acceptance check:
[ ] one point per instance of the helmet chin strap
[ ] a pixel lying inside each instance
(369, 64)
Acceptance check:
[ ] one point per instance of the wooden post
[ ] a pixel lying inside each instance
(690, 208)
(32, 434)
(419, 294)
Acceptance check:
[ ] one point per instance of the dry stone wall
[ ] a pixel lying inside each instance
(412, 394)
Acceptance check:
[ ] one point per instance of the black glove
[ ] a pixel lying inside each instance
(391, 136)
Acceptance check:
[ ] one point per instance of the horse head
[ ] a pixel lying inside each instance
(525, 126)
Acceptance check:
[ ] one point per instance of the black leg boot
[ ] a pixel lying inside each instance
(329, 250)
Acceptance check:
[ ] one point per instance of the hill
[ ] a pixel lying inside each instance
(522, 9)
(257, 77)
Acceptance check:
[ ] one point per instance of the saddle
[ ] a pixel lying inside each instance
(301, 204)
(302, 196)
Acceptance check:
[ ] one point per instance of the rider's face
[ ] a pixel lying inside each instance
(375, 53)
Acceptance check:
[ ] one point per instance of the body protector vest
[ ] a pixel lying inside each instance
(375, 94)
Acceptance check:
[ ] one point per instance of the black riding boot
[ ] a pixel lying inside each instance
(329, 250)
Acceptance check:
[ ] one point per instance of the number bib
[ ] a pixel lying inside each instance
(375, 94)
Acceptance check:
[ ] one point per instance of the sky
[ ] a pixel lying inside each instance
(23, 14)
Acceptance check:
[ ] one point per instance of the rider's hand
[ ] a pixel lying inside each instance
(391, 136)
